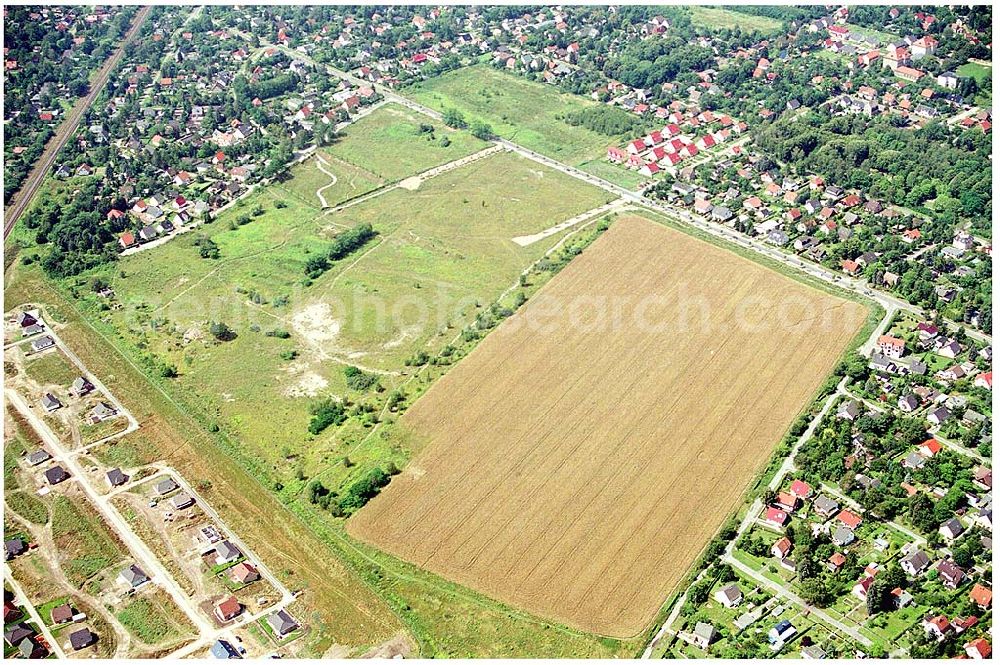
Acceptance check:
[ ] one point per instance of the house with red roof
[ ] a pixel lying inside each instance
(787, 501)
(891, 346)
(649, 169)
(126, 240)
(616, 155)
(860, 588)
(984, 380)
(781, 548)
(979, 649)
(849, 519)
(929, 448)
(636, 146)
(776, 517)
(937, 626)
(981, 596)
(705, 142)
(800, 489)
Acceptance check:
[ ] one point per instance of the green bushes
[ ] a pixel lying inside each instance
(606, 120)
(358, 379)
(364, 490)
(324, 414)
(343, 245)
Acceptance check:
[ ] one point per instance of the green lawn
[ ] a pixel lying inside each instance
(718, 18)
(981, 73)
(983, 76)
(27, 506)
(127, 452)
(517, 109)
(383, 147)
(884, 37)
(307, 178)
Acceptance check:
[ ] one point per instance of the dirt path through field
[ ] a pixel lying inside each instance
(320, 163)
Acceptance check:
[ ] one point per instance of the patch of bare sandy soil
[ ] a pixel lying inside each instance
(306, 382)
(315, 322)
(411, 184)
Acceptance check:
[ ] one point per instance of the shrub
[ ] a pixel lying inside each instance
(360, 380)
(324, 414)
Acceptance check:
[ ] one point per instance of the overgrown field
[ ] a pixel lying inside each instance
(520, 110)
(717, 17)
(440, 251)
(583, 453)
(387, 145)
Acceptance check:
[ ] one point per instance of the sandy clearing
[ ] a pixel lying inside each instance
(316, 323)
(411, 184)
(577, 472)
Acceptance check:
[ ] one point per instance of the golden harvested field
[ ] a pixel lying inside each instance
(576, 469)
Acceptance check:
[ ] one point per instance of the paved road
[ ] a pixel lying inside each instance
(19, 202)
(21, 599)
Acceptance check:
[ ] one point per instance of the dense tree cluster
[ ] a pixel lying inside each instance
(890, 163)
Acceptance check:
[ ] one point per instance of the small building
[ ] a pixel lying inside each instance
(56, 475)
(228, 609)
(780, 633)
(101, 412)
(781, 548)
(42, 343)
(979, 649)
(981, 596)
(223, 650)
(50, 402)
(842, 536)
(38, 456)
(17, 633)
(951, 575)
(776, 517)
(703, 635)
(825, 506)
(116, 478)
(165, 486)
(133, 576)
(182, 500)
(81, 639)
(243, 573)
(849, 519)
(282, 623)
(730, 596)
(81, 386)
(915, 563)
(226, 552)
(14, 547)
(951, 529)
(836, 561)
(62, 613)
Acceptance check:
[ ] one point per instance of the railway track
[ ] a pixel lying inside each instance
(67, 128)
